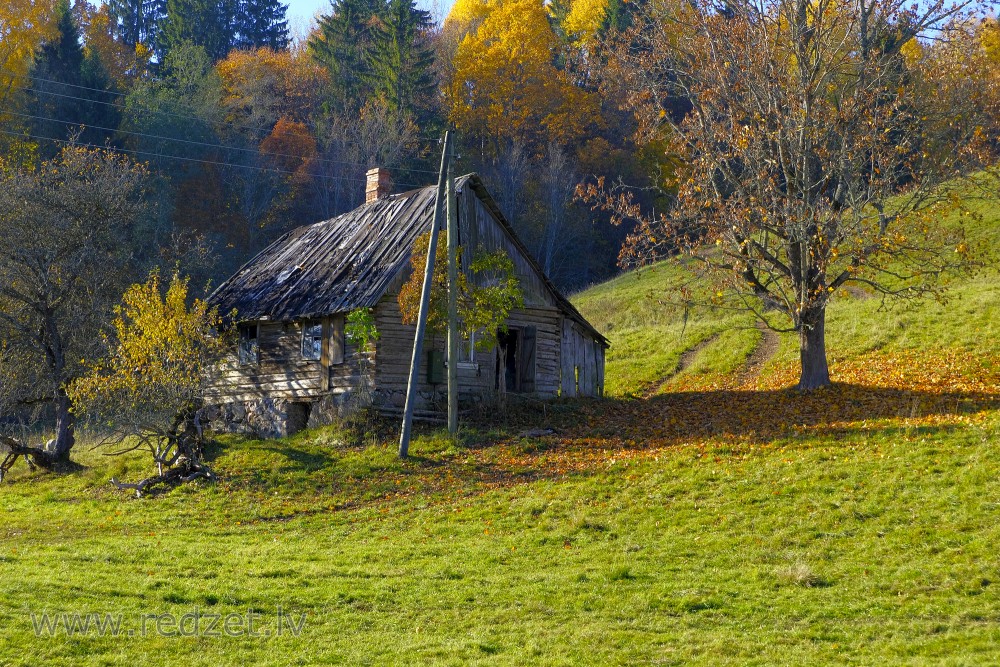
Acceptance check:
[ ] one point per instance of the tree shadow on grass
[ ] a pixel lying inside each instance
(590, 433)
(764, 416)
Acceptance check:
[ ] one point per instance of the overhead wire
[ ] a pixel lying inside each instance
(129, 151)
(262, 129)
(200, 143)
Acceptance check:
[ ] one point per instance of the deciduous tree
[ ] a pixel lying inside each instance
(813, 154)
(506, 87)
(147, 387)
(24, 26)
(487, 293)
(67, 237)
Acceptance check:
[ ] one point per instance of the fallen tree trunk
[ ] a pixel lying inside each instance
(173, 476)
(178, 453)
(35, 457)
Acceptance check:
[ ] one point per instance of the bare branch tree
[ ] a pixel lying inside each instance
(818, 138)
(67, 228)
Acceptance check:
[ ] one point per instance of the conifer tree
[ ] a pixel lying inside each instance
(137, 21)
(262, 23)
(343, 43)
(400, 60)
(209, 24)
(65, 93)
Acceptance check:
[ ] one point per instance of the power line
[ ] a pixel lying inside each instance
(201, 143)
(130, 151)
(175, 115)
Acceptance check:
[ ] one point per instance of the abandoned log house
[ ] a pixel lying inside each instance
(293, 366)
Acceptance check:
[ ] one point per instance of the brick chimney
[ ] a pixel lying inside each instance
(378, 184)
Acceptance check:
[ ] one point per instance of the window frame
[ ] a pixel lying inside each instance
(248, 346)
(316, 337)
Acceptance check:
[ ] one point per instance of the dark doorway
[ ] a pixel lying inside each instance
(297, 417)
(507, 358)
(515, 362)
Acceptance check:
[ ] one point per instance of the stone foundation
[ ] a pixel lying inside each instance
(278, 418)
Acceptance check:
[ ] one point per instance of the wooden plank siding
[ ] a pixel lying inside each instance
(282, 373)
(582, 362)
(395, 348)
(478, 230)
(394, 351)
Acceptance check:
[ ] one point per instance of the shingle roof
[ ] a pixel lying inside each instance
(333, 266)
(348, 262)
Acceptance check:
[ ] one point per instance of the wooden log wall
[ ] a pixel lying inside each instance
(395, 347)
(582, 362)
(479, 230)
(282, 373)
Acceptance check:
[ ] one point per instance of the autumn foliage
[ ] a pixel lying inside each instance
(505, 86)
(484, 301)
(812, 154)
(158, 356)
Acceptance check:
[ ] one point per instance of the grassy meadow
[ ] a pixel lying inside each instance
(697, 515)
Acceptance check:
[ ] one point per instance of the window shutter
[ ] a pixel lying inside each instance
(336, 340)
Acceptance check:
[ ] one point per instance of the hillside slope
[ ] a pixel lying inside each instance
(701, 514)
(650, 333)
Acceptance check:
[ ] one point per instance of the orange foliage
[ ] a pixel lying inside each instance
(291, 147)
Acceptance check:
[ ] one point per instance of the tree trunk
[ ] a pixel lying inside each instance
(812, 351)
(65, 426)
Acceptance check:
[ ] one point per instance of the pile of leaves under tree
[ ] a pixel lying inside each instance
(147, 390)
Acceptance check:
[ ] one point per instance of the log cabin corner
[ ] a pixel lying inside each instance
(293, 366)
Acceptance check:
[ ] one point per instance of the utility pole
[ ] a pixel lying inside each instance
(425, 300)
(453, 334)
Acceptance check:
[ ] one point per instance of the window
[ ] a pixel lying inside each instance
(312, 339)
(249, 351)
(467, 349)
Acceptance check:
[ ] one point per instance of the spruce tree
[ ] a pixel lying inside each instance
(400, 60)
(261, 23)
(343, 43)
(137, 21)
(66, 88)
(209, 24)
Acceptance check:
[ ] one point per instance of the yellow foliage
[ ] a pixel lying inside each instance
(505, 86)
(122, 62)
(24, 26)
(585, 18)
(989, 37)
(275, 82)
(157, 356)
(469, 12)
(913, 52)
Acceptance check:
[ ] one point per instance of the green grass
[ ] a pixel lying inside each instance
(701, 526)
(876, 548)
(646, 323)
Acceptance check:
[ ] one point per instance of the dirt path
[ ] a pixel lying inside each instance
(766, 348)
(684, 363)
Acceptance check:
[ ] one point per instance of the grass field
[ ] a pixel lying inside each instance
(723, 519)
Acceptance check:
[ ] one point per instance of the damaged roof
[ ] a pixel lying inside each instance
(350, 261)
